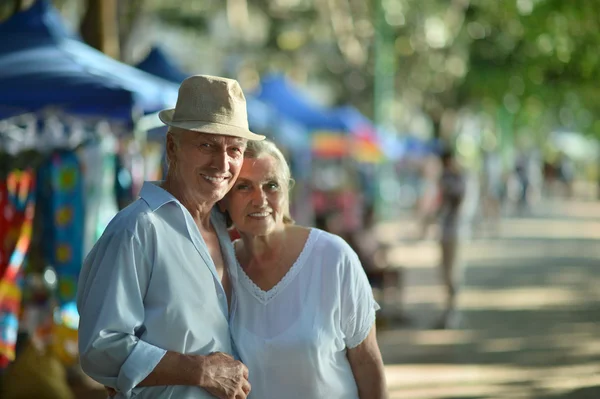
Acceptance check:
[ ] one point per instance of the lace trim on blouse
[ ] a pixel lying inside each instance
(266, 296)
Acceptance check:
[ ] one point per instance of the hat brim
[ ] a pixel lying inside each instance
(166, 116)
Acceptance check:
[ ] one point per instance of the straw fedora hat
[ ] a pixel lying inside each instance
(210, 104)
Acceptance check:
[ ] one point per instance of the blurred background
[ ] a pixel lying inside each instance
(363, 97)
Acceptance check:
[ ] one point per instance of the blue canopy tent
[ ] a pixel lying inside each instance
(279, 93)
(40, 22)
(391, 145)
(351, 118)
(159, 64)
(43, 64)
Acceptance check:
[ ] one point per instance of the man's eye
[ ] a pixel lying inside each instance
(273, 186)
(242, 186)
(236, 152)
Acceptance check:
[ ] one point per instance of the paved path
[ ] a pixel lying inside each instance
(529, 313)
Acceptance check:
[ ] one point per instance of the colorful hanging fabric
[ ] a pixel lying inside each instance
(98, 176)
(17, 205)
(62, 207)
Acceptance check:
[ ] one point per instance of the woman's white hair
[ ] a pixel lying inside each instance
(258, 149)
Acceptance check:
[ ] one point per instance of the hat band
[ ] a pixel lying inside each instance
(215, 118)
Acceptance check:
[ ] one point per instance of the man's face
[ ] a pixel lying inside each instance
(205, 166)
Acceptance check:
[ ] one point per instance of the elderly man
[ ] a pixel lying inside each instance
(154, 314)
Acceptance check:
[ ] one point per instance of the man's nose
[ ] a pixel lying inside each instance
(220, 161)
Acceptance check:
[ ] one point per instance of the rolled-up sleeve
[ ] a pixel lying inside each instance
(110, 300)
(358, 304)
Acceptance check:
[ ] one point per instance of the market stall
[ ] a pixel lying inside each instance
(342, 144)
(66, 111)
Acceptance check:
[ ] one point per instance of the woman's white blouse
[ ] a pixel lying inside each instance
(294, 337)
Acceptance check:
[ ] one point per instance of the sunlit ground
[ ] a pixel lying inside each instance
(529, 311)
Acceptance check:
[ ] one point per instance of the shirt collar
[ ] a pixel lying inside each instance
(154, 195)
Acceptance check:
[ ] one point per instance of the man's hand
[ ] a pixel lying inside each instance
(111, 392)
(218, 373)
(224, 377)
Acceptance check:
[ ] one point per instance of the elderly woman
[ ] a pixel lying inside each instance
(302, 311)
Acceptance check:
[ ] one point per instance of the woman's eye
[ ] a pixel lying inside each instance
(273, 186)
(242, 186)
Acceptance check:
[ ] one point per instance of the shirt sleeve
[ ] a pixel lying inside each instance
(112, 285)
(358, 306)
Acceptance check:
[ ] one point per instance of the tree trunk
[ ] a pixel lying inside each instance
(18, 4)
(99, 26)
(131, 14)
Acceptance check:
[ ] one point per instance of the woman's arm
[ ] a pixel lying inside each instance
(367, 367)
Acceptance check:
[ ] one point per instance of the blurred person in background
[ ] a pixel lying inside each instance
(153, 310)
(549, 174)
(452, 186)
(522, 175)
(566, 174)
(303, 313)
(386, 280)
(429, 195)
(492, 190)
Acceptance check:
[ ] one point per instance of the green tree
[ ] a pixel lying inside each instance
(535, 60)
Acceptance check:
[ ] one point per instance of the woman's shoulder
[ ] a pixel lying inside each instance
(339, 261)
(331, 244)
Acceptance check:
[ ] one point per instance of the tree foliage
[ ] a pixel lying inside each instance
(538, 59)
(535, 59)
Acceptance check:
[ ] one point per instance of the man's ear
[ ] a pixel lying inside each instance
(171, 146)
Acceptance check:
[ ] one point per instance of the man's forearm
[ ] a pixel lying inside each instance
(218, 373)
(175, 369)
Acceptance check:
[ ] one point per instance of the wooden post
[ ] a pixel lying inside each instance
(100, 27)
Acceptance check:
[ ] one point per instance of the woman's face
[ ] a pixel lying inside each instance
(257, 201)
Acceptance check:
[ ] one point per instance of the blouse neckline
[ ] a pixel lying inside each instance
(266, 296)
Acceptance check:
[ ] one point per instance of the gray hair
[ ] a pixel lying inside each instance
(258, 149)
(175, 133)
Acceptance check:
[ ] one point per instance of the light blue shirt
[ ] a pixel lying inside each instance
(147, 287)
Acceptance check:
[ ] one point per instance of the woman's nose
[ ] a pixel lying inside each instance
(259, 198)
